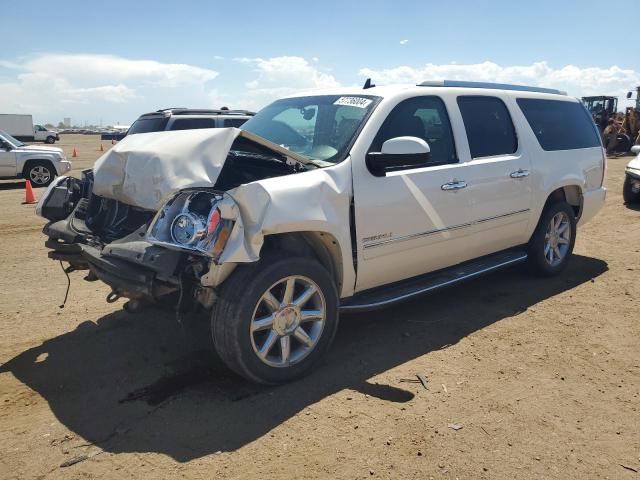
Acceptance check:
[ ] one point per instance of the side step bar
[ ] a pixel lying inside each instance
(386, 295)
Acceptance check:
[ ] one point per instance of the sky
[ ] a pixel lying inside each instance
(108, 65)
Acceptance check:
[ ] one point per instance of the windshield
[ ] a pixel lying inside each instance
(318, 127)
(9, 139)
(148, 124)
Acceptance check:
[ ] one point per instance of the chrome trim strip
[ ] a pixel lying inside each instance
(440, 230)
(390, 301)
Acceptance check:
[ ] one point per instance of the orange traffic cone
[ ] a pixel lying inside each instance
(74, 154)
(101, 148)
(29, 196)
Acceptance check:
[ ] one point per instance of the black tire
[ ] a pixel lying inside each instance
(50, 140)
(628, 195)
(39, 172)
(538, 258)
(240, 297)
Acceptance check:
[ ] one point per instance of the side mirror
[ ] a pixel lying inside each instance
(635, 149)
(400, 153)
(629, 94)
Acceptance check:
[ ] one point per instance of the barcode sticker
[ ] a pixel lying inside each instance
(358, 102)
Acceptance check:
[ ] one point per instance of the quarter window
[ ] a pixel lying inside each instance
(559, 125)
(489, 127)
(423, 117)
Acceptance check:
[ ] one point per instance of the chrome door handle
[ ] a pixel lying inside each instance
(455, 185)
(520, 173)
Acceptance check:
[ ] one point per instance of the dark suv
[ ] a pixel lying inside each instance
(188, 119)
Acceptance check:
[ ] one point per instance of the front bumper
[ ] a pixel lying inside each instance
(63, 167)
(131, 266)
(592, 202)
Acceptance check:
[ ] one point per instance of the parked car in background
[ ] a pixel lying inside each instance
(38, 164)
(631, 187)
(342, 200)
(22, 128)
(184, 119)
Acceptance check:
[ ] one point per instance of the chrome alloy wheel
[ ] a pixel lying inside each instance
(557, 239)
(287, 322)
(39, 175)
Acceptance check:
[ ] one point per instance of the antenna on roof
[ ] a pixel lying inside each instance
(368, 84)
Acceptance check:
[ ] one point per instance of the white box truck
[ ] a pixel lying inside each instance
(22, 128)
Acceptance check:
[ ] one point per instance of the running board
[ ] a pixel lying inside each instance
(385, 295)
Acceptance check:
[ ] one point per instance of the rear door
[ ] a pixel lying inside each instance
(498, 174)
(414, 220)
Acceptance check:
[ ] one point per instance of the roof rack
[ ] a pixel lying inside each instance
(497, 86)
(200, 111)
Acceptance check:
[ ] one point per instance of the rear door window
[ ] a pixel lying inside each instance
(489, 127)
(234, 122)
(559, 125)
(192, 123)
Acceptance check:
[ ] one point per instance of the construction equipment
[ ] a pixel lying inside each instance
(601, 108)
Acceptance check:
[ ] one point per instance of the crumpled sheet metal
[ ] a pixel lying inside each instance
(311, 201)
(143, 169)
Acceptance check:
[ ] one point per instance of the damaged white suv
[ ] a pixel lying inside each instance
(341, 201)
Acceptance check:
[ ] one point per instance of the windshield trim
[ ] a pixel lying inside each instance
(344, 153)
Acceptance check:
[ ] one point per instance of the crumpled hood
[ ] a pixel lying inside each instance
(635, 163)
(143, 169)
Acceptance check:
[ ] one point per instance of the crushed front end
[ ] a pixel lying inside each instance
(141, 254)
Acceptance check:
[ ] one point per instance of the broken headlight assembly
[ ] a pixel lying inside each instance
(192, 221)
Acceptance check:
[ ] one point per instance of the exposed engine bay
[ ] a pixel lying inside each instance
(156, 254)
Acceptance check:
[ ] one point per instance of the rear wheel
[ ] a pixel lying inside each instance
(631, 190)
(39, 173)
(275, 319)
(552, 242)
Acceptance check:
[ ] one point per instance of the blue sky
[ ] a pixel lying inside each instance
(111, 64)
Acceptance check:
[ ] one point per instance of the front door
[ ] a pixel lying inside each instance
(411, 221)
(7, 162)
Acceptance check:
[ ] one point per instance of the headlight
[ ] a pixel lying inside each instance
(191, 220)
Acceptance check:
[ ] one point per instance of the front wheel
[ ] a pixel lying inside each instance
(552, 242)
(50, 140)
(275, 319)
(40, 173)
(631, 190)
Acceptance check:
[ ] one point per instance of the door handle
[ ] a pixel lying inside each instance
(455, 185)
(520, 173)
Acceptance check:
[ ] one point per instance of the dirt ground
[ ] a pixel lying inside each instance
(543, 376)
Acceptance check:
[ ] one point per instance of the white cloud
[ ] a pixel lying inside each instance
(281, 76)
(58, 83)
(575, 80)
(404, 42)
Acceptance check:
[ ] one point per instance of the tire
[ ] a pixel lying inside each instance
(628, 195)
(543, 258)
(50, 140)
(241, 301)
(40, 173)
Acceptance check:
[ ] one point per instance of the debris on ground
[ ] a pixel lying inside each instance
(455, 426)
(80, 458)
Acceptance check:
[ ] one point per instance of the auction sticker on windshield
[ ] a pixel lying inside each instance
(353, 102)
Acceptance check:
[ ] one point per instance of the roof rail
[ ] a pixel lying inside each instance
(497, 86)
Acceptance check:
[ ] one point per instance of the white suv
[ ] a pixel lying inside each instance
(343, 200)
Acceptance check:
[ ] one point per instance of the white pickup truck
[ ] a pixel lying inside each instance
(344, 200)
(38, 164)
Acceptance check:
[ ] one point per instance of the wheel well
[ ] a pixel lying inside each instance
(572, 194)
(320, 245)
(29, 163)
